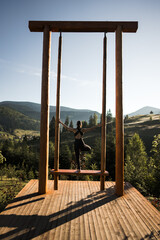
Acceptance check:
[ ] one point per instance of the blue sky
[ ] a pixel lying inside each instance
(81, 84)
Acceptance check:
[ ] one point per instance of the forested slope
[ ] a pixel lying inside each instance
(11, 120)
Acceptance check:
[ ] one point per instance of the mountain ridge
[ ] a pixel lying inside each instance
(144, 111)
(11, 119)
(33, 111)
(37, 106)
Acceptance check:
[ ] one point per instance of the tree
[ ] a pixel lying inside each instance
(71, 124)
(52, 128)
(66, 123)
(95, 119)
(84, 124)
(109, 116)
(65, 157)
(136, 163)
(2, 169)
(96, 155)
(126, 118)
(11, 171)
(110, 155)
(51, 154)
(31, 174)
(156, 162)
(91, 123)
(2, 158)
(110, 122)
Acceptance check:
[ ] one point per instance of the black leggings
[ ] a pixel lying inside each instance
(79, 145)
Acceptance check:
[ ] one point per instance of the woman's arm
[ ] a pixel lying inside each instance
(92, 128)
(66, 127)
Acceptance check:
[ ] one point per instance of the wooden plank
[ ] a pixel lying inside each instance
(143, 201)
(144, 211)
(41, 219)
(88, 210)
(82, 223)
(86, 228)
(61, 213)
(104, 213)
(77, 213)
(83, 26)
(100, 232)
(55, 208)
(18, 209)
(43, 232)
(62, 233)
(78, 210)
(72, 226)
(125, 214)
(96, 233)
(76, 172)
(69, 207)
(30, 212)
(135, 218)
(116, 228)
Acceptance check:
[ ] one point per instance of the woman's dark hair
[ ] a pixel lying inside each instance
(79, 124)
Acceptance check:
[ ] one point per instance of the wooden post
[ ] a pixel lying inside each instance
(103, 131)
(119, 116)
(57, 130)
(44, 128)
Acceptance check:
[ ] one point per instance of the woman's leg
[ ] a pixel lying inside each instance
(77, 152)
(84, 147)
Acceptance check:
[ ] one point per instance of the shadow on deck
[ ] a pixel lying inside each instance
(78, 210)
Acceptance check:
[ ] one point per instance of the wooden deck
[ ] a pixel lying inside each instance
(78, 210)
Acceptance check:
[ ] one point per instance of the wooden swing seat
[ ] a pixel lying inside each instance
(81, 172)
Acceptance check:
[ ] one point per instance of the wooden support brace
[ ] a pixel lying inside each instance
(103, 133)
(57, 130)
(82, 26)
(119, 116)
(44, 128)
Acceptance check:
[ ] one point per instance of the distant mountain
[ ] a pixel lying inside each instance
(33, 111)
(144, 111)
(11, 119)
(29, 109)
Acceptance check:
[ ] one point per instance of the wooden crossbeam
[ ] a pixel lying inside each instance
(82, 26)
(76, 172)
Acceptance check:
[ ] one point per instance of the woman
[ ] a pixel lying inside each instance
(79, 144)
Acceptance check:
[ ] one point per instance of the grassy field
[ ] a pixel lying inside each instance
(5, 135)
(9, 188)
(18, 134)
(147, 126)
(21, 132)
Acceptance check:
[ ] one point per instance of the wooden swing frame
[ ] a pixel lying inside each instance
(73, 26)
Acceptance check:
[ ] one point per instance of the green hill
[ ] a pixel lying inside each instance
(11, 119)
(147, 126)
(144, 111)
(33, 110)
